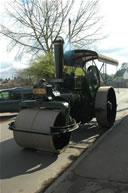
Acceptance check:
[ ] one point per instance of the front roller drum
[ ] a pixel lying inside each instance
(33, 129)
(105, 106)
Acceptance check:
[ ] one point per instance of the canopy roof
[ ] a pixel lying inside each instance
(80, 57)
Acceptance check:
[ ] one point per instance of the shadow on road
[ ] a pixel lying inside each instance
(6, 117)
(17, 161)
(87, 131)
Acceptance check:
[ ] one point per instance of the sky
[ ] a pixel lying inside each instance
(115, 15)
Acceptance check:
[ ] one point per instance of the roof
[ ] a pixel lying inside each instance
(80, 57)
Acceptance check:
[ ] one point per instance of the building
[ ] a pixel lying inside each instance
(125, 75)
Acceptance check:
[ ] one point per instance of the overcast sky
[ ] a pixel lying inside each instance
(115, 13)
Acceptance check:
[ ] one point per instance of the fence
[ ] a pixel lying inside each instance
(118, 84)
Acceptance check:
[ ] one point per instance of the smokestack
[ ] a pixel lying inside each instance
(59, 57)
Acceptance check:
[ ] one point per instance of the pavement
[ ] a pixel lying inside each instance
(103, 168)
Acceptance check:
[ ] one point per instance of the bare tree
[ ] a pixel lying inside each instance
(33, 24)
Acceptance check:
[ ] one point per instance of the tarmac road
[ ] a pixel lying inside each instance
(31, 171)
(122, 102)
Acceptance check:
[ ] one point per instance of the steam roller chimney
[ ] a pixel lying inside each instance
(59, 58)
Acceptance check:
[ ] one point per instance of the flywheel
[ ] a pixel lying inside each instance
(105, 106)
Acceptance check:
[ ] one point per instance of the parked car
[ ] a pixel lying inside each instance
(10, 98)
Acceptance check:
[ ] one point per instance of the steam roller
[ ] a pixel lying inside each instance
(76, 95)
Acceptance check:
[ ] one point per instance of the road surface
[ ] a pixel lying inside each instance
(25, 171)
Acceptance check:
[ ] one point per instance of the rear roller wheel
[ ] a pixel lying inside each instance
(105, 106)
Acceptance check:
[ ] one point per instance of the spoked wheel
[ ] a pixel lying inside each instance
(105, 106)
